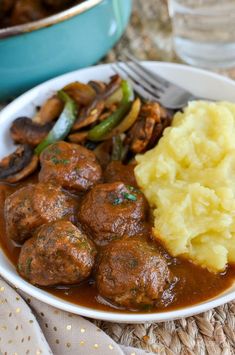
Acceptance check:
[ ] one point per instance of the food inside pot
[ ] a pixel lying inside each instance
(18, 12)
(86, 218)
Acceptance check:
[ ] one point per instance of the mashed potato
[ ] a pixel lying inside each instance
(189, 180)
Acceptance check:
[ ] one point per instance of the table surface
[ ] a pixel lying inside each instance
(149, 37)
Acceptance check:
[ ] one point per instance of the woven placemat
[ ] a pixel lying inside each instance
(149, 36)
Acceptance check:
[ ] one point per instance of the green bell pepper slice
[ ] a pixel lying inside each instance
(63, 125)
(99, 131)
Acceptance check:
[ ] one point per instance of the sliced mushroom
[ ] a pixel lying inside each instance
(25, 131)
(112, 86)
(82, 93)
(143, 131)
(98, 86)
(141, 134)
(103, 91)
(89, 118)
(79, 137)
(49, 111)
(18, 165)
(151, 109)
(166, 118)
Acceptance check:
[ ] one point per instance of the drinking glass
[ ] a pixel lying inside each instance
(204, 32)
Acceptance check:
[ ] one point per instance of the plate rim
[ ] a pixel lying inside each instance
(62, 304)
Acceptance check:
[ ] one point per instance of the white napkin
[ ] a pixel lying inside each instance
(28, 326)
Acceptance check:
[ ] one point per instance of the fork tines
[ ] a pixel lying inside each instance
(147, 84)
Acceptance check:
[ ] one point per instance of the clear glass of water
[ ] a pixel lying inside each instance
(204, 32)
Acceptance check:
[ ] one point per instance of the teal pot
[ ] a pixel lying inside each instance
(72, 39)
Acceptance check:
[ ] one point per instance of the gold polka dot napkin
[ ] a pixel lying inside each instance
(28, 326)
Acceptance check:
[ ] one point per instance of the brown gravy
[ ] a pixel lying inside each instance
(194, 284)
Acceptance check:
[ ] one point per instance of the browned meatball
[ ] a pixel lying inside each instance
(110, 211)
(58, 253)
(26, 11)
(70, 165)
(116, 171)
(132, 273)
(32, 205)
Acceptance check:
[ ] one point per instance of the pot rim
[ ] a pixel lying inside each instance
(49, 21)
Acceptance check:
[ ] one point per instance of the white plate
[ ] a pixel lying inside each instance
(199, 82)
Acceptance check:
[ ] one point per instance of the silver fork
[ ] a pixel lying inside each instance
(151, 86)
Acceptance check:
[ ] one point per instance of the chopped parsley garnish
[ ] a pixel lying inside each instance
(117, 201)
(55, 149)
(129, 197)
(57, 161)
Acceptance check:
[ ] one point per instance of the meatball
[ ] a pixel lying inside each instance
(116, 171)
(70, 165)
(132, 273)
(110, 211)
(32, 205)
(26, 11)
(58, 253)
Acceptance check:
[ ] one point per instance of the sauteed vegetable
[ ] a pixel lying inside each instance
(63, 124)
(101, 130)
(106, 118)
